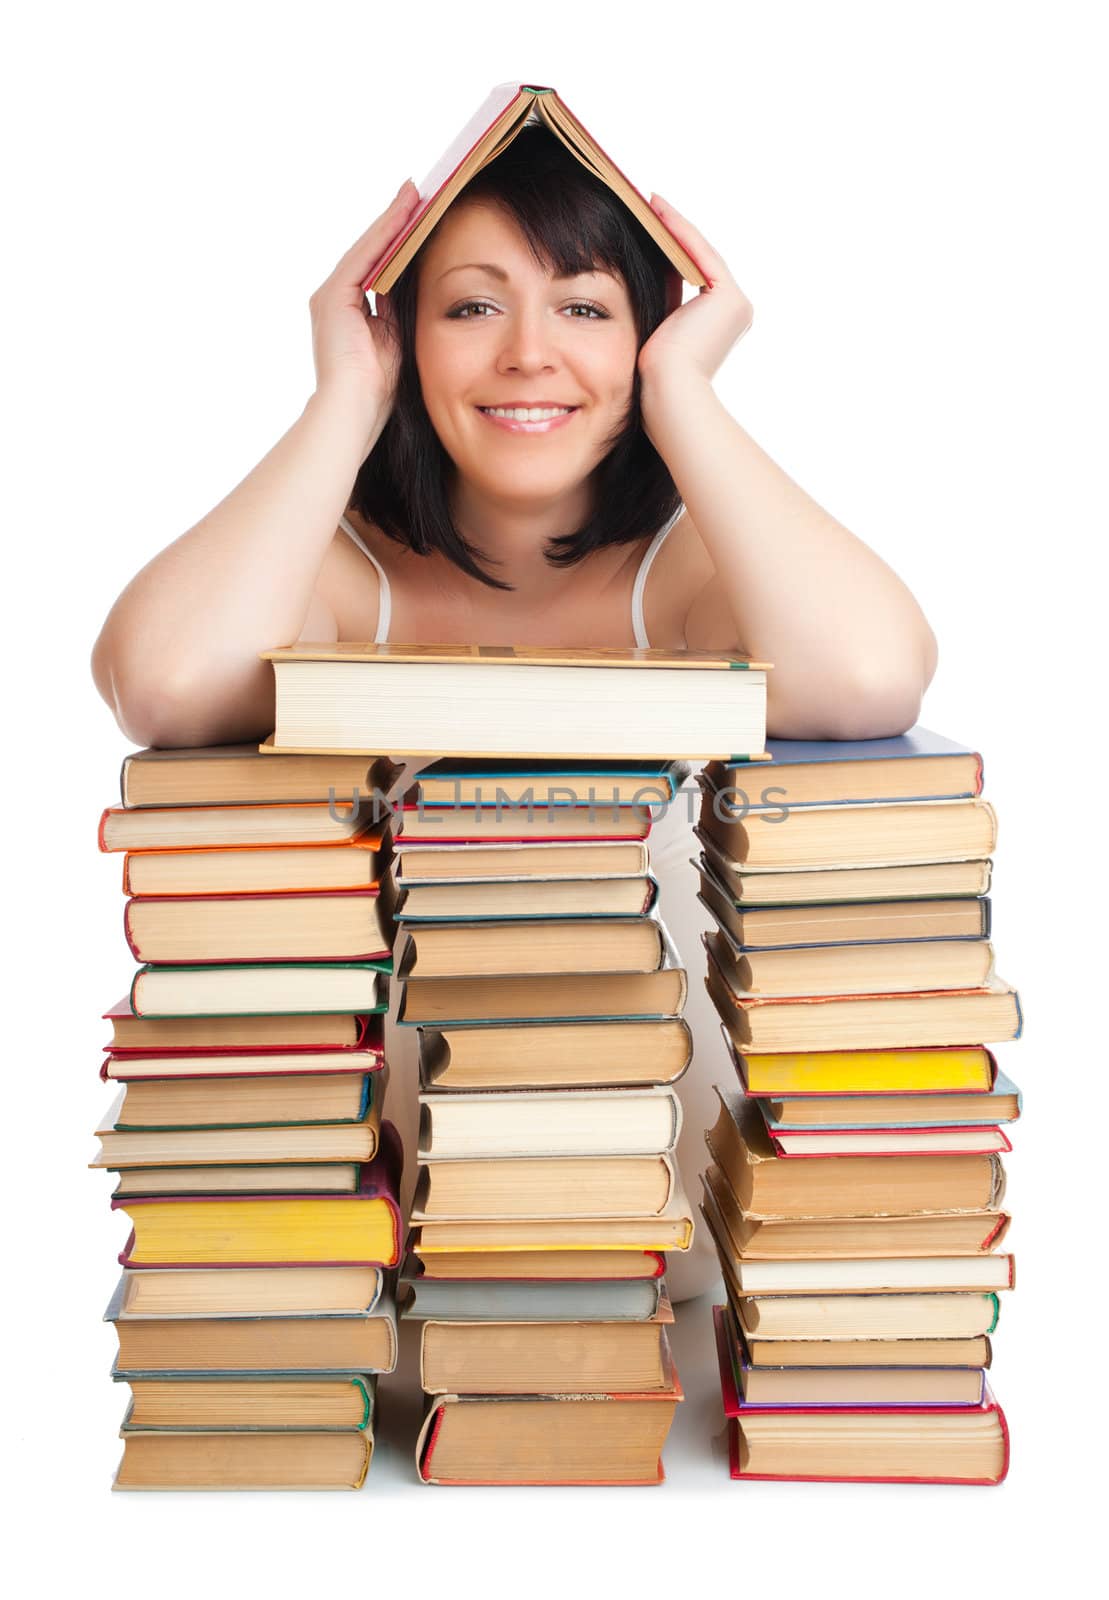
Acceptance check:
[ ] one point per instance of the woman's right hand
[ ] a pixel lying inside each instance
(353, 348)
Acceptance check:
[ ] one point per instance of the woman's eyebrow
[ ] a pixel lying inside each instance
(499, 272)
(476, 266)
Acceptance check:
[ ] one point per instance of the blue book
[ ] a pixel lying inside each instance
(918, 765)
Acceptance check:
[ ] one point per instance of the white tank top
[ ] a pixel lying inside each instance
(385, 606)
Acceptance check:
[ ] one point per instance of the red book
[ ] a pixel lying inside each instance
(497, 121)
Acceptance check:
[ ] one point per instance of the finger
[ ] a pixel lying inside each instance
(353, 266)
(686, 234)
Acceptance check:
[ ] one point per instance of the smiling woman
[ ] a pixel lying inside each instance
(529, 449)
(536, 291)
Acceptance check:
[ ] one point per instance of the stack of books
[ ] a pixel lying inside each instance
(256, 1306)
(855, 1188)
(548, 999)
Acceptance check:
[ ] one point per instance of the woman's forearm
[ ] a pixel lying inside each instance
(177, 657)
(851, 648)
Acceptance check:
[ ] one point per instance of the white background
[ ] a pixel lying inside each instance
(912, 197)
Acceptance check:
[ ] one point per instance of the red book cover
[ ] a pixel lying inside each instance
(734, 1411)
(442, 181)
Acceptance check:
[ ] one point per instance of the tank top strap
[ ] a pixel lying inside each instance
(639, 626)
(385, 603)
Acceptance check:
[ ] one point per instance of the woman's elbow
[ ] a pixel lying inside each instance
(881, 702)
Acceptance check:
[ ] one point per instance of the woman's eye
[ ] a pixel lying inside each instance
(469, 305)
(463, 312)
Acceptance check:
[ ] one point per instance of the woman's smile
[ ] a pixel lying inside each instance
(528, 419)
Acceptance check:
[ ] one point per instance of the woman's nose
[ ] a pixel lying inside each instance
(529, 343)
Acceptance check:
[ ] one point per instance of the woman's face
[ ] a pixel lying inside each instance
(496, 333)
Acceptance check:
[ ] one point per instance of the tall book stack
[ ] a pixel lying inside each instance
(547, 997)
(256, 1306)
(855, 1187)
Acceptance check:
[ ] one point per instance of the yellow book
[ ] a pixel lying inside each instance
(362, 1228)
(868, 1071)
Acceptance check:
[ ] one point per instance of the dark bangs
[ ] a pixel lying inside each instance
(572, 223)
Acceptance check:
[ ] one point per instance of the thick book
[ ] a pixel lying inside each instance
(527, 900)
(238, 774)
(360, 1228)
(357, 862)
(255, 1100)
(554, 1055)
(518, 700)
(767, 1184)
(258, 1401)
(881, 834)
(551, 784)
(578, 1122)
(299, 1178)
(918, 765)
(263, 1034)
(670, 1229)
(244, 989)
(123, 1146)
(925, 1233)
(820, 1318)
(887, 1140)
(508, 863)
(263, 825)
(558, 1188)
(836, 923)
(505, 111)
(501, 948)
(560, 1301)
(546, 1357)
(415, 821)
(183, 1293)
(595, 1266)
(902, 1070)
(560, 996)
(909, 966)
(863, 1443)
(755, 886)
(863, 1021)
(245, 1459)
(340, 925)
(547, 1439)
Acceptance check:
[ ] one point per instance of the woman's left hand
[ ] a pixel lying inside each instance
(694, 339)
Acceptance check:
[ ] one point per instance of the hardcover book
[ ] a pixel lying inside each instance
(524, 701)
(501, 116)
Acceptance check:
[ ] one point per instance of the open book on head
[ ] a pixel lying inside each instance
(507, 109)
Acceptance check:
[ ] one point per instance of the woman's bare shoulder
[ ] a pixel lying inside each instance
(679, 573)
(349, 587)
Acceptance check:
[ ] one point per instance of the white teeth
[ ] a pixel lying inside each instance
(526, 413)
